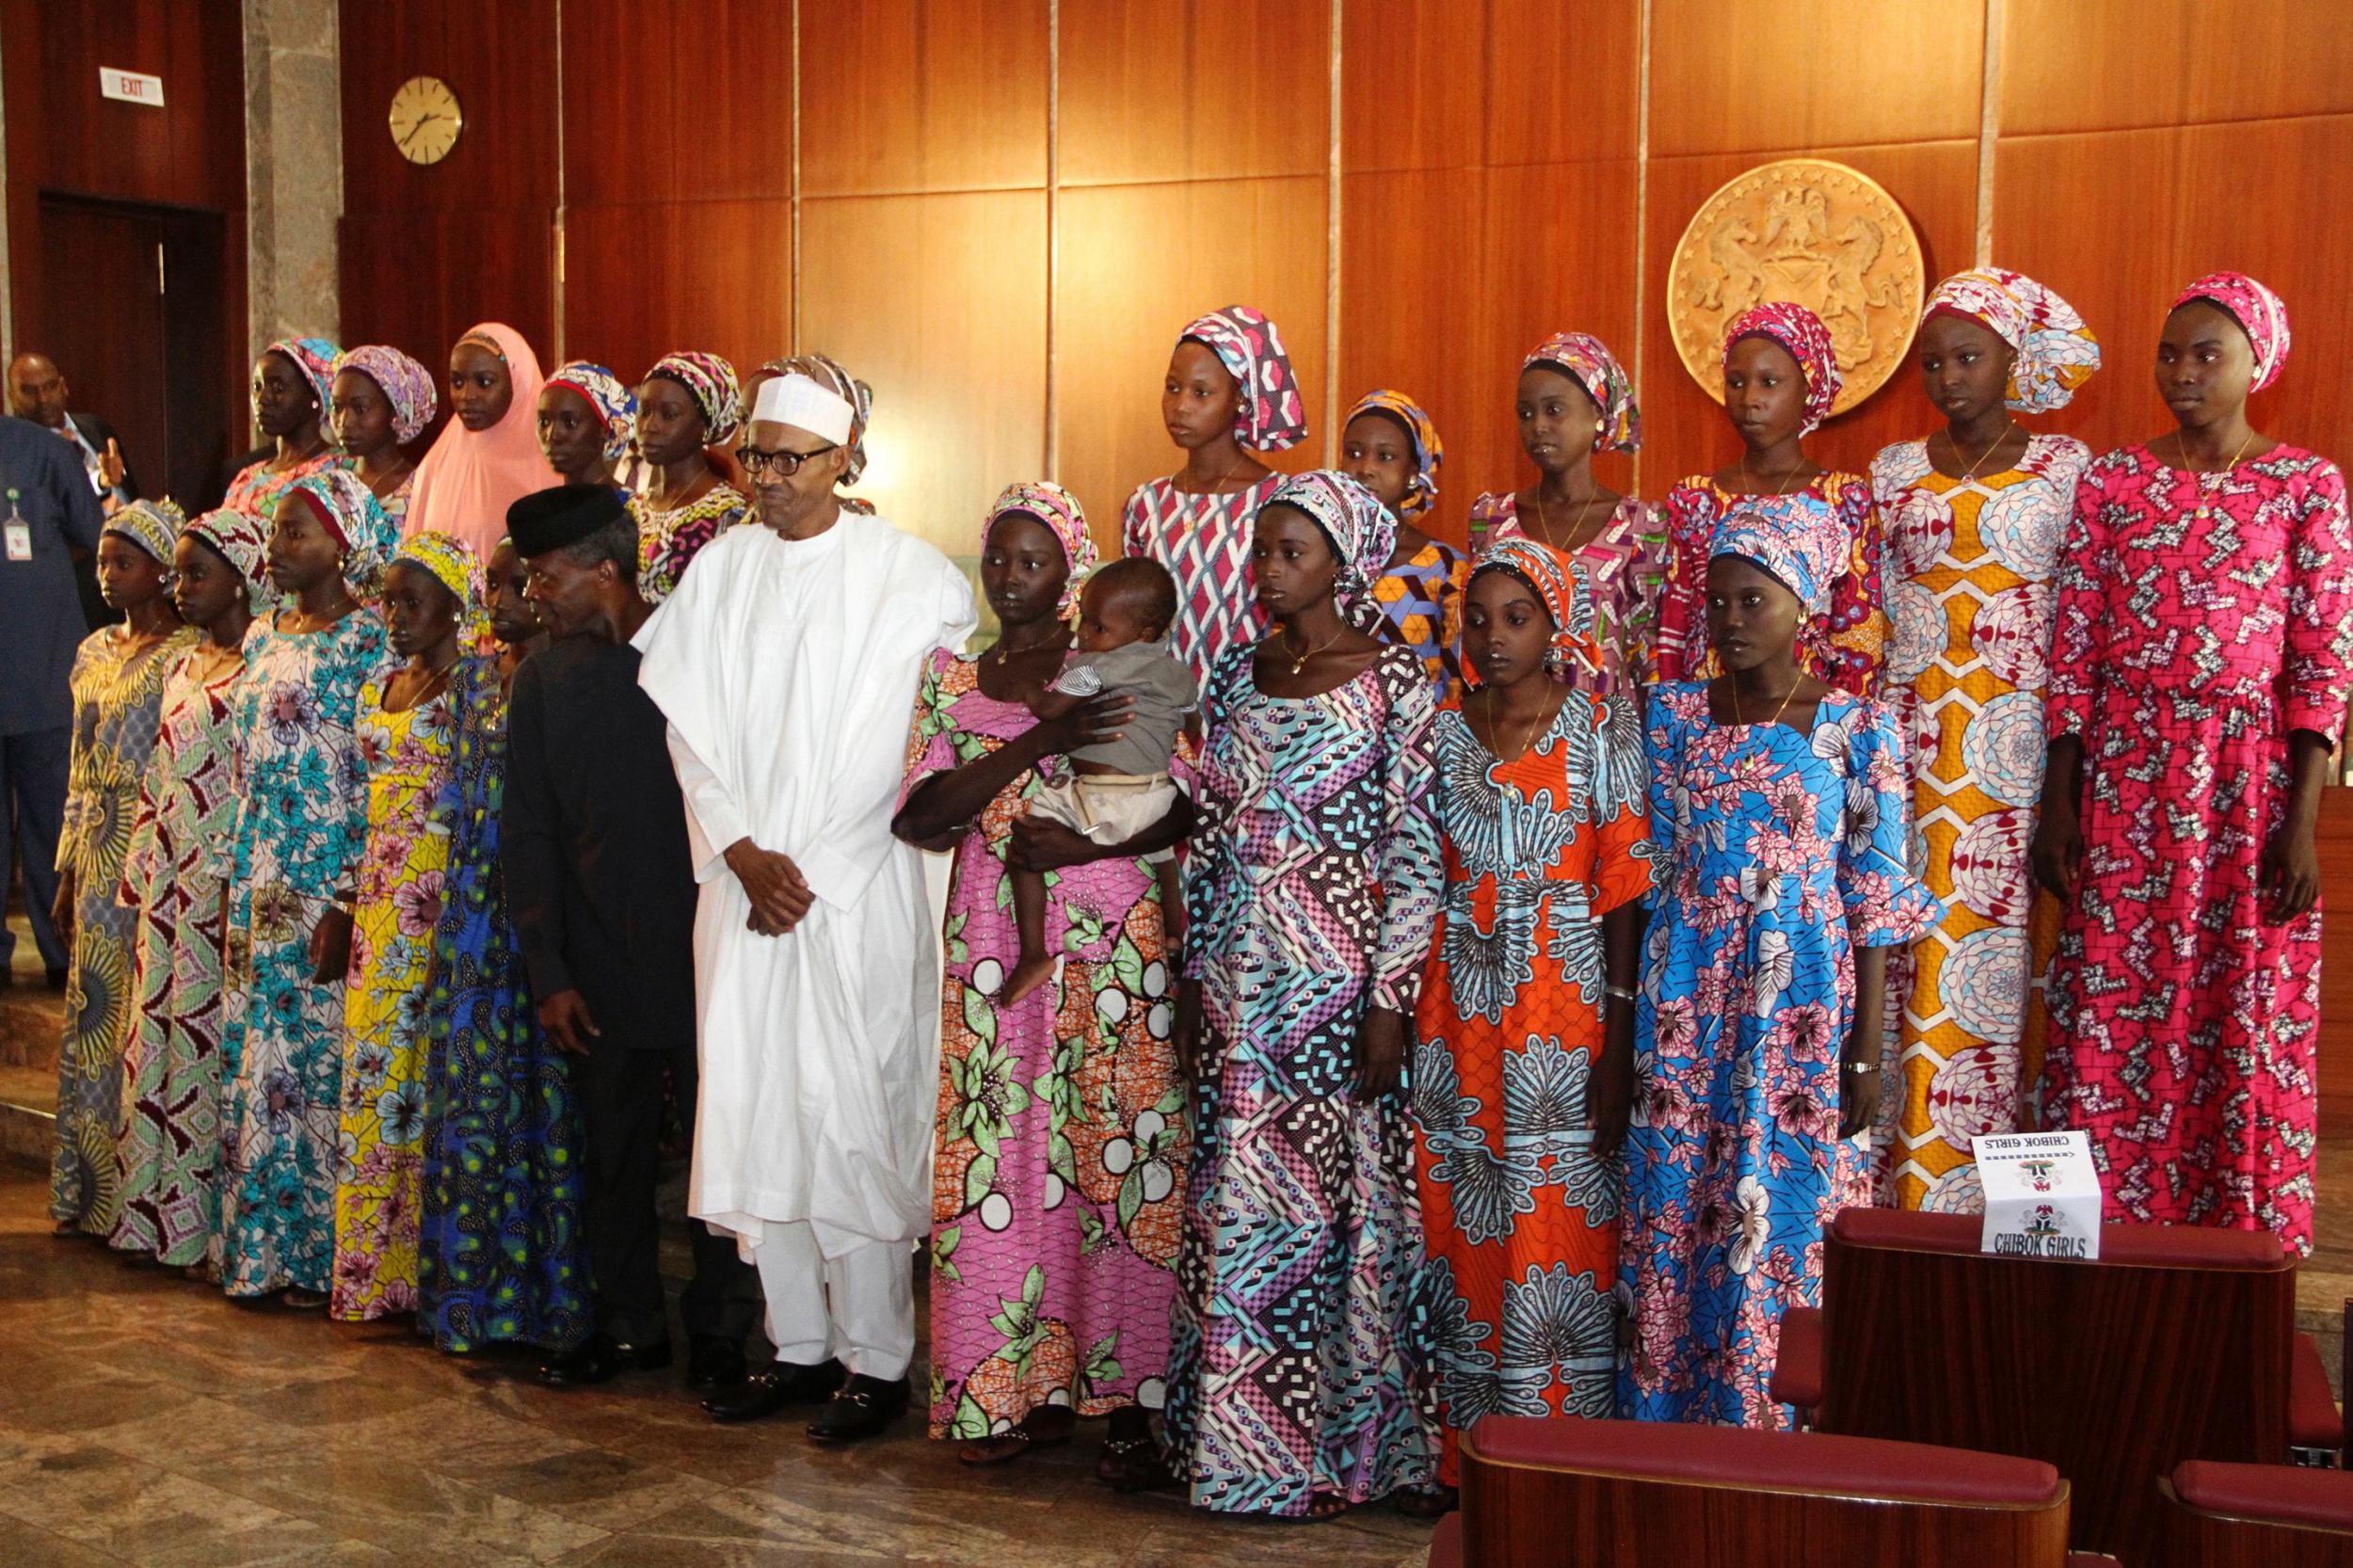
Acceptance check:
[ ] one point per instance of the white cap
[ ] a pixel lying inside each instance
(798, 401)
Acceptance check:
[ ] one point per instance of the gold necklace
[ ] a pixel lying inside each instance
(1301, 662)
(2207, 492)
(1544, 519)
(1748, 480)
(2006, 427)
(1495, 728)
(1740, 718)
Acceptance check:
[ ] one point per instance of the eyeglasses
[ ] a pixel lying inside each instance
(781, 462)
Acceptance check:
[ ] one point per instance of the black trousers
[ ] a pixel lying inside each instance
(619, 1092)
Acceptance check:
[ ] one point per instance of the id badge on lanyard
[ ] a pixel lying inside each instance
(20, 533)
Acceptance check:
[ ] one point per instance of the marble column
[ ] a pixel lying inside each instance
(293, 161)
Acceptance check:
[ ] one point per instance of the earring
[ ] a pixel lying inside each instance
(1556, 665)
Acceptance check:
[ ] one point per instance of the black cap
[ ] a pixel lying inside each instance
(566, 514)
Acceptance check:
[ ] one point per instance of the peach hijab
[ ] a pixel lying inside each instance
(470, 478)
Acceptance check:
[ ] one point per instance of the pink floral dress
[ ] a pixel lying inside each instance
(2202, 618)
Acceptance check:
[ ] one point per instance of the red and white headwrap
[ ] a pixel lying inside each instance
(1801, 332)
(2260, 314)
(1059, 511)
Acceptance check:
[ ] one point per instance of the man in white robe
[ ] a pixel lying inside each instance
(786, 665)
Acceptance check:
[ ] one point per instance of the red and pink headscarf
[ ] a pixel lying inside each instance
(2262, 314)
(711, 382)
(1801, 332)
(1246, 344)
(1591, 366)
(2055, 353)
(1059, 511)
(1560, 583)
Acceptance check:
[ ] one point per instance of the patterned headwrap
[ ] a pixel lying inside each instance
(153, 525)
(1421, 491)
(2055, 351)
(1798, 539)
(315, 358)
(406, 385)
(240, 540)
(1360, 530)
(1058, 509)
(1246, 344)
(454, 565)
(1560, 583)
(711, 382)
(1801, 332)
(1590, 365)
(828, 371)
(2262, 314)
(614, 404)
(356, 520)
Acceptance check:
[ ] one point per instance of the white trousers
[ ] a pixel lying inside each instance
(858, 1308)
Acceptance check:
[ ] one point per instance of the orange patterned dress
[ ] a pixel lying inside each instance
(1521, 1216)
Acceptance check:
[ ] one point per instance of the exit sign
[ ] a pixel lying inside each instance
(130, 86)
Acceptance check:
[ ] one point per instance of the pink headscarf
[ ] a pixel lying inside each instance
(468, 479)
(2262, 314)
(1801, 332)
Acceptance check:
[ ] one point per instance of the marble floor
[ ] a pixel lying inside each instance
(146, 1420)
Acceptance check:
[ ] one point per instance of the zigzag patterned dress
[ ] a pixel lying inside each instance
(1295, 1370)
(1204, 541)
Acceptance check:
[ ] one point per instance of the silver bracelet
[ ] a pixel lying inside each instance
(1858, 1068)
(1619, 992)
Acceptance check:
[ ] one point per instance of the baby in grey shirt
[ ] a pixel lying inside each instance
(1119, 789)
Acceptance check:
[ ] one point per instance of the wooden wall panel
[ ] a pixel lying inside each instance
(910, 95)
(1127, 283)
(499, 59)
(1413, 312)
(418, 279)
(1194, 90)
(2068, 66)
(1563, 80)
(643, 280)
(2119, 221)
(1936, 184)
(677, 102)
(938, 302)
(1747, 75)
(1413, 86)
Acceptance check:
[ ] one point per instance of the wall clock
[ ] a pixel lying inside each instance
(426, 120)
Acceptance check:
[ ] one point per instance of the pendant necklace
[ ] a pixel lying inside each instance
(2209, 484)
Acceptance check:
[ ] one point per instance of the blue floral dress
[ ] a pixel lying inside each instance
(301, 825)
(499, 1255)
(1783, 851)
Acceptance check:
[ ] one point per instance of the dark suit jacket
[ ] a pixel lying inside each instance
(600, 880)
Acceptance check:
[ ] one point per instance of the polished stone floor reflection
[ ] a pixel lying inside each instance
(144, 1420)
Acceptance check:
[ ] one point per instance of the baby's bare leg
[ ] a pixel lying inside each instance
(1035, 965)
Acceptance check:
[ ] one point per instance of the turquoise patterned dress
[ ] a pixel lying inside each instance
(499, 1256)
(301, 825)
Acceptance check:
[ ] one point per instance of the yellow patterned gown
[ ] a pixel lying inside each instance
(1968, 572)
(379, 1185)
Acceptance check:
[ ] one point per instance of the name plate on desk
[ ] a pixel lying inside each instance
(2042, 1195)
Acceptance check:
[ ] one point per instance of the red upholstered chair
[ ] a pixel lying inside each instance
(2178, 1343)
(2257, 1516)
(1542, 1494)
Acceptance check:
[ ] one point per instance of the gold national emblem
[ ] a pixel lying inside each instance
(1811, 232)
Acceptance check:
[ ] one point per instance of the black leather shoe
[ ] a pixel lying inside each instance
(714, 1364)
(767, 1392)
(864, 1408)
(599, 1360)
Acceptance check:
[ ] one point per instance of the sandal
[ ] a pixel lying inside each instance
(299, 1300)
(1428, 1502)
(1004, 1446)
(1327, 1505)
